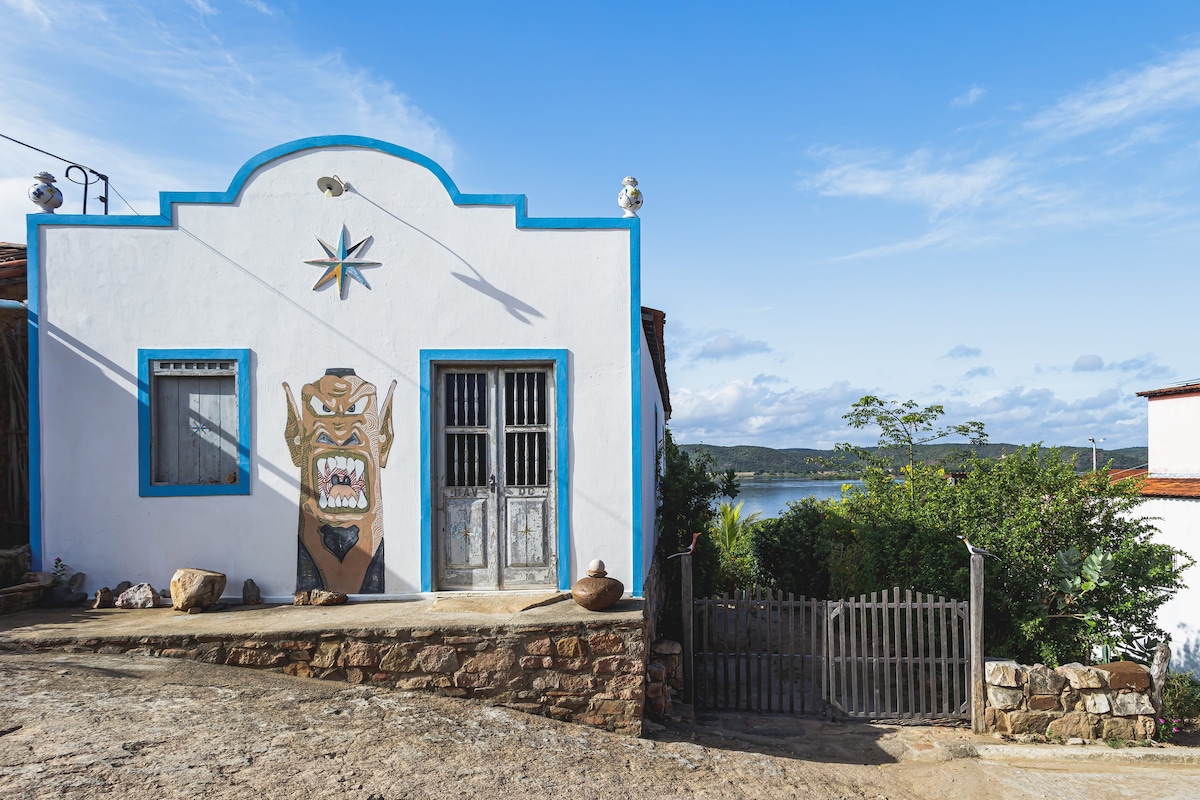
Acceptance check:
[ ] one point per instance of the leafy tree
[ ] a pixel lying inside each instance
(732, 536)
(1077, 577)
(686, 492)
(1027, 506)
(903, 426)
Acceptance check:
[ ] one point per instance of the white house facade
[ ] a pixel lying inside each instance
(1172, 492)
(381, 386)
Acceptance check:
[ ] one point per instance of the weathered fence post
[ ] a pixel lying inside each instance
(978, 718)
(689, 654)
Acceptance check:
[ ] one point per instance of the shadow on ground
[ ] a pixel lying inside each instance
(817, 739)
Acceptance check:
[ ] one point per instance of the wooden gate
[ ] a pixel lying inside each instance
(889, 655)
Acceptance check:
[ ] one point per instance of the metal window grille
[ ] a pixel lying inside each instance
(525, 434)
(466, 419)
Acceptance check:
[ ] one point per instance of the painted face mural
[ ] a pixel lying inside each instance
(339, 438)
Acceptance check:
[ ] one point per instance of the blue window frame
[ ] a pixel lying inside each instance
(193, 422)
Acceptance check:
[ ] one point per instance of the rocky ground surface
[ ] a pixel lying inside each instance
(87, 726)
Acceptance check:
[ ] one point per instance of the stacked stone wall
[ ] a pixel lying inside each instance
(664, 678)
(588, 673)
(1107, 701)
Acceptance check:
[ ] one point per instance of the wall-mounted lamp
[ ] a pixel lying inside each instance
(332, 187)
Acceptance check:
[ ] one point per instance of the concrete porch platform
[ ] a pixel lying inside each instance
(555, 658)
(59, 626)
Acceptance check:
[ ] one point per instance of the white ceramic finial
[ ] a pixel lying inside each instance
(630, 197)
(596, 568)
(44, 193)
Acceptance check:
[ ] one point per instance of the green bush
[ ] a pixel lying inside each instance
(1181, 703)
(733, 536)
(1027, 507)
(811, 549)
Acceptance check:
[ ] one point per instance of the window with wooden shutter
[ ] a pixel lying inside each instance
(194, 422)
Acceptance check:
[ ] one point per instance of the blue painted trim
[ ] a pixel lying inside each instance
(432, 358)
(146, 487)
(635, 338)
(165, 219)
(517, 201)
(32, 295)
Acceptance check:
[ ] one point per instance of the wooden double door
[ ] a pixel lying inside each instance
(495, 477)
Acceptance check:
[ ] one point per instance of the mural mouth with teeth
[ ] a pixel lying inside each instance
(341, 483)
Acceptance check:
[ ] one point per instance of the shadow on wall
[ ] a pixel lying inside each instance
(96, 521)
(517, 308)
(1185, 646)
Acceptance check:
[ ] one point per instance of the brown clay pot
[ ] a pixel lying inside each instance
(597, 591)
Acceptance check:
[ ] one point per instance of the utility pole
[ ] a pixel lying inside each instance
(1094, 440)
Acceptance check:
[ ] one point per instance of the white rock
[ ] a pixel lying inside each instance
(140, 596)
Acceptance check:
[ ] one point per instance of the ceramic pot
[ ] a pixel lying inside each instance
(597, 591)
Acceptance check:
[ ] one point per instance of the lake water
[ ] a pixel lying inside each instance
(770, 496)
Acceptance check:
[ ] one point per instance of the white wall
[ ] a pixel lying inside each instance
(653, 423)
(1178, 522)
(1174, 422)
(234, 276)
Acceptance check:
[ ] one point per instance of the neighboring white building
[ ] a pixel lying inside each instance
(388, 390)
(1172, 489)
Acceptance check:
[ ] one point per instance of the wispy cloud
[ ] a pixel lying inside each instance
(915, 179)
(260, 7)
(1143, 134)
(729, 346)
(1124, 97)
(970, 97)
(979, 372)
(230, 93)
(963, 351)
(1143, 367)
(202, 7)
(30, 9)
(1022, 416)
(761, 412)
(774, 414)
(1043, 173)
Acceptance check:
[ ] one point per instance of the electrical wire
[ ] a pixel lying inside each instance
(48, 153)
(111, 188)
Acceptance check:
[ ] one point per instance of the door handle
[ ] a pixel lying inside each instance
(492, 483)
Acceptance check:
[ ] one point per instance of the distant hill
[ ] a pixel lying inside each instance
(795, 461)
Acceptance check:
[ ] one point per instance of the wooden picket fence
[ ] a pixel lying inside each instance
(888, 655)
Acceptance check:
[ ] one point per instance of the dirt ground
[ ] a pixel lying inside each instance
(74, 726)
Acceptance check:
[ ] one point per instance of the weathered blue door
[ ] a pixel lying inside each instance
(494, 477)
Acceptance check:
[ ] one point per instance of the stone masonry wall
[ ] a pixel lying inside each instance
(664, 676)
(1107, 701)
(588, 673)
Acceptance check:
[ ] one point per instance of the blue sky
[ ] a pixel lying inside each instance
(994, 209)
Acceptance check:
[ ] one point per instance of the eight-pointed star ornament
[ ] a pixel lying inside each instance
(341, 264)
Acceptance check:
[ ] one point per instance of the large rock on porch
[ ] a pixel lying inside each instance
(140, 596)
(196, 588)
